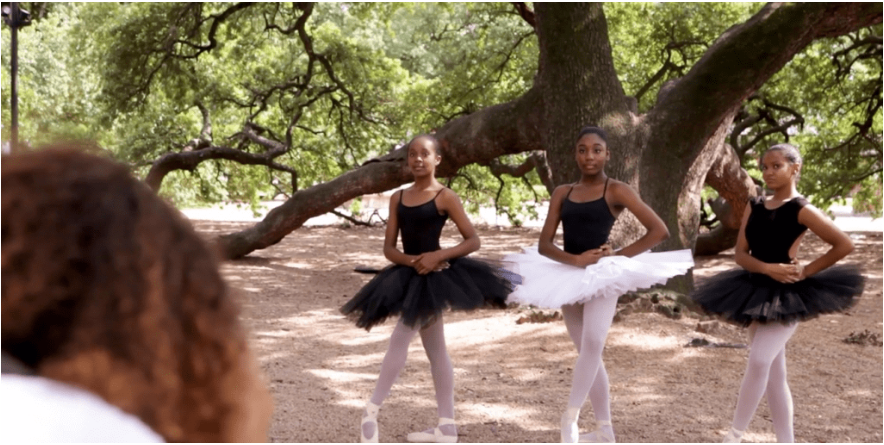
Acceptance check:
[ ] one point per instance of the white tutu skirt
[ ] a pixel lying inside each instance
(550, 284)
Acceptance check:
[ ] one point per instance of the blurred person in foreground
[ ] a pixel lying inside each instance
(116, 323)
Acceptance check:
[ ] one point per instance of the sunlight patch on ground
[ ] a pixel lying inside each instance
(750, 437)
(307, 318)
(639, 340)
(366, 338)
(257, 268)
(647, 397)
(477, 332)
(415, 356)
(528, 375)
(356, 257)
(503, 412)
(864, 393)
(299, 265)
(341, 377)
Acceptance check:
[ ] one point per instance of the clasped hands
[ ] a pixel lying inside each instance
(593, 256)
(429, 262)
(785, 273)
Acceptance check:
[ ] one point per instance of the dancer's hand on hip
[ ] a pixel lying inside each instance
(607, 250)
(589, 257)
(784, 273)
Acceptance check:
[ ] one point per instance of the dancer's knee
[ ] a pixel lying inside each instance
(759, 364)
(592, 344)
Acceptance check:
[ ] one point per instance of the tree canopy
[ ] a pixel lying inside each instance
(247, 101)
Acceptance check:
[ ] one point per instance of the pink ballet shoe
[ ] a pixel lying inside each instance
(436, 436)
(569, 425)
(371, 416)
(599, 435)
(733, 436)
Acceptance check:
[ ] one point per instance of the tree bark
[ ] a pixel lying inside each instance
(735, 187)
(579, 86)
(477, 138)
(664, 154)
(188, 160)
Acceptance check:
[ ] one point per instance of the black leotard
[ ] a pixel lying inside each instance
(420, 226)
(399, 290)
(586, 225)
(770, 233)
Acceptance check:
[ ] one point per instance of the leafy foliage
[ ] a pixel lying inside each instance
(336, 84)
(827, 101)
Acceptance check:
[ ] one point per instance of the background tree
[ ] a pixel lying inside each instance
(317, 96)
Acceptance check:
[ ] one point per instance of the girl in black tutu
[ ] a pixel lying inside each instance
(424, 281)
(773, 291)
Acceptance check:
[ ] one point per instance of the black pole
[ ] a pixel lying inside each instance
(14, 22)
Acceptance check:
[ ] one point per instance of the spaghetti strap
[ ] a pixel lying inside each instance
(401, 192)
(569, 191)
(438, 193)
(605, 191)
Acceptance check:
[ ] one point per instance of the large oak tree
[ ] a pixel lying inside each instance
(301, 91)
(667, 153)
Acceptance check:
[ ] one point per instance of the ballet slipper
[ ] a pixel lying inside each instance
(569, 425)
(599, 435)
(436, 436)
(733, 436)
(371, 415)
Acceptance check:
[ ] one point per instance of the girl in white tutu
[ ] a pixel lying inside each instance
(586, 277)
(772, 292)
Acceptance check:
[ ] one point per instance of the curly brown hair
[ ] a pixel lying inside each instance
(106, 287)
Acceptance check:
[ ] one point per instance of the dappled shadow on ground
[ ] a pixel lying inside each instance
(512, 380)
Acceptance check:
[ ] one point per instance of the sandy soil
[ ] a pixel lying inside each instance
(512, 380)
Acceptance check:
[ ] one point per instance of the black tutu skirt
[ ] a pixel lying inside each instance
(743, 297)
(399, 290)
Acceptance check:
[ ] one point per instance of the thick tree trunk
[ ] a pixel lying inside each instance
(735, 187)
(664, 154)
(580, 87)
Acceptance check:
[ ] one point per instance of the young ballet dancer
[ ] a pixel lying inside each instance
(424, 281)
(772, 291)
(587, 277)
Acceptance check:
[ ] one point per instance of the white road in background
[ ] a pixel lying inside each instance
(844, 218)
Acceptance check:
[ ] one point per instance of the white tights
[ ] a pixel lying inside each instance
(766, 373)
(433, 339)
(588, 326)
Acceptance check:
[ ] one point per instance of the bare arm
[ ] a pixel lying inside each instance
(824, 228)
(656, 233)
(449, 202)
(741, 251)
(548, 248)
(391, 252)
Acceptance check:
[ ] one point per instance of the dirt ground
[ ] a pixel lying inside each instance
(512, 380)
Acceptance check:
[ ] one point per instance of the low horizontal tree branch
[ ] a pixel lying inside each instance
(189, 160)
